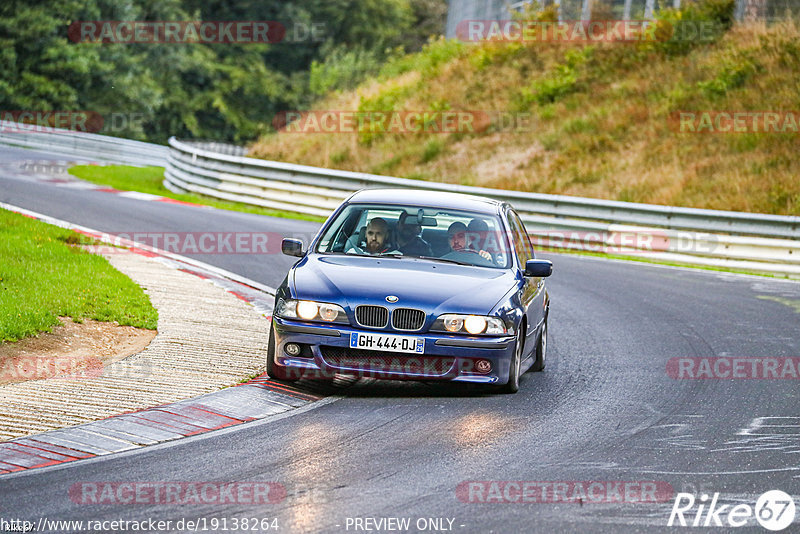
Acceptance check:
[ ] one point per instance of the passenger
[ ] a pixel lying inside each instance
(376, 240)
(408, 239)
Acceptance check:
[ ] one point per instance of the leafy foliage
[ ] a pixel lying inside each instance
(213, 91)
(593, 120)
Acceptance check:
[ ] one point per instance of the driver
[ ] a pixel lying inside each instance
(457, 239)
(375, 239)
(457, 236)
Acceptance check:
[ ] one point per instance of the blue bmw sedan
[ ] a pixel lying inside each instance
(405, 284)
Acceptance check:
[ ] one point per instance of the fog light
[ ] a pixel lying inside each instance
(292, 349)
(483, 366)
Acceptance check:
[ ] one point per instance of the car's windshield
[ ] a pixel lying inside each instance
(429, 233)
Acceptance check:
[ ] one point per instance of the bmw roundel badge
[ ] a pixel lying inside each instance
(391, 298)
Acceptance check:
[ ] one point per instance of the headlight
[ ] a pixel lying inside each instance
(329, 312)
(474, 324)
(311, 311)
(470, 324)
(453, 323)
(307, 309)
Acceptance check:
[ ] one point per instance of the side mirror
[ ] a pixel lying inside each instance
(292, 247)
(538, 268)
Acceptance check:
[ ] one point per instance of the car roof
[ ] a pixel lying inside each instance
(427, 198)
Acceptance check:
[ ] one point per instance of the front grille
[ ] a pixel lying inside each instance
(372, 316)
(407, 319)
(376, 361)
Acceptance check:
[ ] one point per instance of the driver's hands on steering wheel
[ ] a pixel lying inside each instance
(482, 253)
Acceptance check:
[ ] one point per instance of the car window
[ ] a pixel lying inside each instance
(422, 232)
(522, 244)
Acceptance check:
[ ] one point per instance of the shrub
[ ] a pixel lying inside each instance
(678, 31)
(562, 81)
(732, 74)
(342, 69)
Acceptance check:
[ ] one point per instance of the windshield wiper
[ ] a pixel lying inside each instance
(446, 260)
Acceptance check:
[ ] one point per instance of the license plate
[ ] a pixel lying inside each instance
(410, 344)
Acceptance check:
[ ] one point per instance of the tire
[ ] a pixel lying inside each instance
(541, 351)
(275, 371)
(512, 386)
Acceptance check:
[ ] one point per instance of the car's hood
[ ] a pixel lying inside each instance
(431, 286)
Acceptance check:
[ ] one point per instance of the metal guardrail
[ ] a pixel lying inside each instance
(102, 148)
(752, 241)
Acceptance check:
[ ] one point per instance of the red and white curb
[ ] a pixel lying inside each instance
(228, 407)
(257, 399)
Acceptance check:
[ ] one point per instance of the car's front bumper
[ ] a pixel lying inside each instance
(326, 352)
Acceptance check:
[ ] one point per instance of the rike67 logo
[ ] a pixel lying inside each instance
(774, 510)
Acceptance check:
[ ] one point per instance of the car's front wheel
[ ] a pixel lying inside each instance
(512, 386)
(278, 372)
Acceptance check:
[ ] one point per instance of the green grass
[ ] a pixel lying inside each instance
(150, 180)
(43, 276)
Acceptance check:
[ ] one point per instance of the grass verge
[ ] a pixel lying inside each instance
(150, 180)
(44, 275)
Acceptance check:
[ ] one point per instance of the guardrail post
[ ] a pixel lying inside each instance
(649, 9)
(627, 12)
(586, 11)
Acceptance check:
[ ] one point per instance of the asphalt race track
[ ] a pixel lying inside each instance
(606, 409)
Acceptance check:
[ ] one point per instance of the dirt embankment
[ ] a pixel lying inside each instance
(71, 350)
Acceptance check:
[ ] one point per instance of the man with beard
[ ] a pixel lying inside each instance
(376, 240)
(457, 238)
